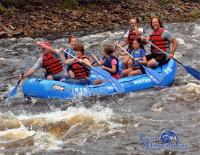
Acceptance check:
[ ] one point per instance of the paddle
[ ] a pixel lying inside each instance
(195, 73)
(155, 77)
(13, 91)
(121, 37)
(104, 74)
(96, 59)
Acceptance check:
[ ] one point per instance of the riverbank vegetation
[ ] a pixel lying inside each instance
(39, 17)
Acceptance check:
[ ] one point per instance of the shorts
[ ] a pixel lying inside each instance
(159, 58)
(139, 67)
(59, 76)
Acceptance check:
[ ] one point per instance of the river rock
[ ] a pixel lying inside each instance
(57, 129)
(35, 123)
(86, 119)
(8, 123)
(15, 139)
(33, 19)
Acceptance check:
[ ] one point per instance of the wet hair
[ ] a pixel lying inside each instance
(140, 42)
(108, 49)
(71, 37)
(79, 47)
(159, 21)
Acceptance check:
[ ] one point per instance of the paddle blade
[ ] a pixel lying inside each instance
(117, 85)
(108, 76)
(102, 72)
(13, 91)
(195, 73)
(155, 77)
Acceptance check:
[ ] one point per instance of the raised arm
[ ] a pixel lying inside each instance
(43, 46)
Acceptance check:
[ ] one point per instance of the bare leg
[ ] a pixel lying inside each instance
(130, 63)
(49, 77)
(71, 74)
(98, 81)
(125, 62)
(125, 72)
(135, 72)
(151, 63)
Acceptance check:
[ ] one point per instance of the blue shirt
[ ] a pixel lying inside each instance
(69, 50)
(138, 53)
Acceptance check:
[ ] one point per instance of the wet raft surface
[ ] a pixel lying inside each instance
(100, 125)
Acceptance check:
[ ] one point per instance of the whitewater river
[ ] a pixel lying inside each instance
(101, 125)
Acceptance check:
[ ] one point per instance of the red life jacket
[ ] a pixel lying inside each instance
(158, 41)
(51, 64)
(131, 36)
(79, 70)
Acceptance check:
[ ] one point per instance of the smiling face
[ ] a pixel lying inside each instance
(79, 50)
(133, 23)
(73, 41)
(155, 24)
(136, 45)
(78, 54)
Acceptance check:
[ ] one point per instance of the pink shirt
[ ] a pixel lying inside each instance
(114, 62)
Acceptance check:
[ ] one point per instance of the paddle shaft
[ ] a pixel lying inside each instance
(78, 60)
(195, 73)
(121, 39)
(125, 50)
(163, 52)
(96, 59)
(123, 35)
(105, 74)
(102, 72)
(151, 73)
(18, 82)
(129, 54)
(90, 67)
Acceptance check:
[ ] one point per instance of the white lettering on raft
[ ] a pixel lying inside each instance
(141, 81)
(168, 70)
(80, 91)
(58, 87)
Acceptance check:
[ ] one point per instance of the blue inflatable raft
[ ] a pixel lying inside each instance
(42, 88)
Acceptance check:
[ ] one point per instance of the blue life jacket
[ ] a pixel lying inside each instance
(107, 63)
(137, 54)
